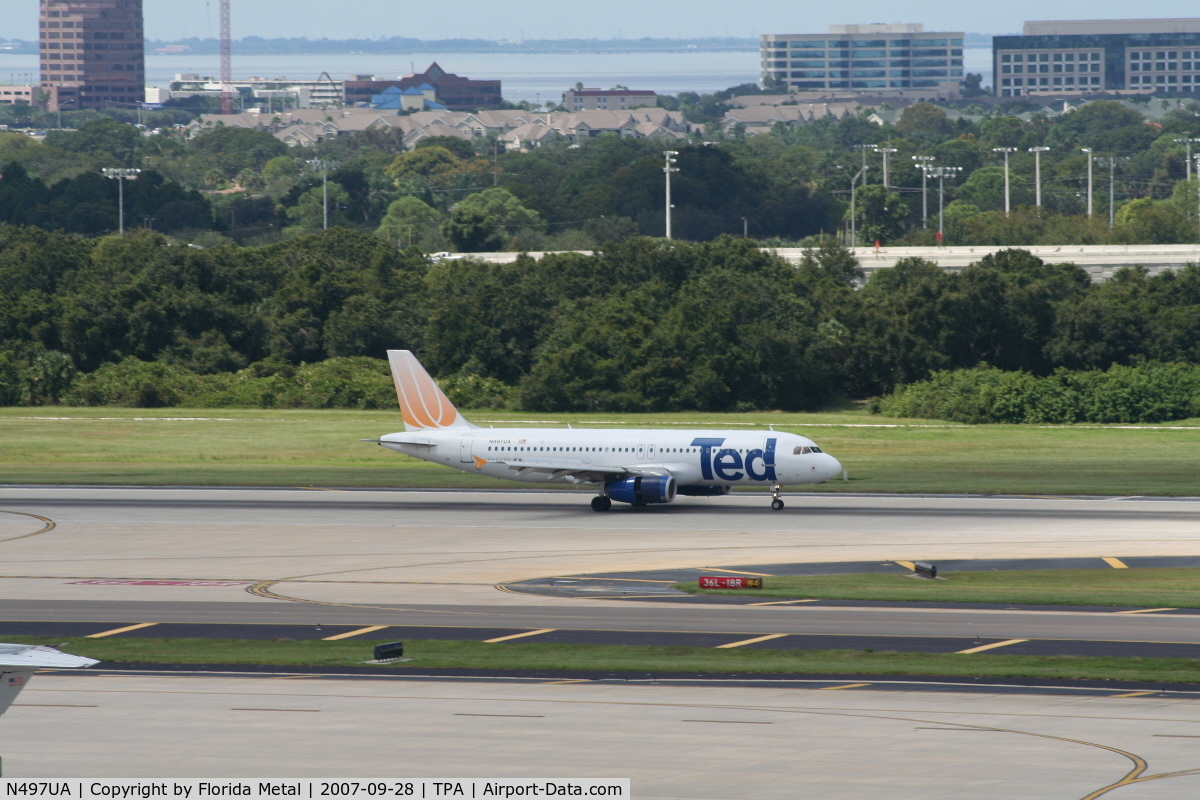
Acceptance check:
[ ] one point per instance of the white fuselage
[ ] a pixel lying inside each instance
(694, 458)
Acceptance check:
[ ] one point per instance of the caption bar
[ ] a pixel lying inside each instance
(195, 789)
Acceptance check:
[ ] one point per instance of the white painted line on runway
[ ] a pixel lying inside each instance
(738, 572)
(991, 646)
(1115, 563)
(745, 642)
(1146, 610)
(519, 635)
(358, 632)
(115, 631)
(784, 602)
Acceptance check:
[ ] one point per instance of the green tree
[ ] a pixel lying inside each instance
(310, 209)
(485, 220)
(924, 118)
(409, 221)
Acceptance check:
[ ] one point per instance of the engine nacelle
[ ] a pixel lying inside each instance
(642, 490)
(704, 491)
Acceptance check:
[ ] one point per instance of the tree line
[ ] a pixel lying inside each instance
(641, 325)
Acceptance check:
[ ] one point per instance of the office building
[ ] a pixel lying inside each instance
(608, 99)
(875, 59)
(453, 91)
(92, 52)
(1137, 56)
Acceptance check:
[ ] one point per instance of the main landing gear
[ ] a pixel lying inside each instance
(776, 502)
(601, 503)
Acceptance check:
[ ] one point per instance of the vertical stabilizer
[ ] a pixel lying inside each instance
(423, 404)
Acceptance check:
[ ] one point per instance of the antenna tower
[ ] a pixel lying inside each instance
(226, 61)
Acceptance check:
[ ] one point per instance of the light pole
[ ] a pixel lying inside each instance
(670, 167)
(1037, 170)
(1111, 163)
(323, 165)
(1090, 154)
(941, 173)
(1007, 185)
(923, 162)
(1197, 187)
(1187, 163)
(885, 152)
(121, 175)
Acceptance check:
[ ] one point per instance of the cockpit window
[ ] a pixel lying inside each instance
(802, 451)
(816, 449)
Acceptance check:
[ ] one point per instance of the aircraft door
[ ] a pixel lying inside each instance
(650, 452)
(464, 449)
(769, 452)
(641, 452)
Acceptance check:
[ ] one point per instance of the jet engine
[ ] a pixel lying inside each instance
(642, 490)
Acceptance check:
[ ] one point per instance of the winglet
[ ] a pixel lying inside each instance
(422, 402)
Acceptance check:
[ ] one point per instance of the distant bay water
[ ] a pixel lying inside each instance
(536, 77)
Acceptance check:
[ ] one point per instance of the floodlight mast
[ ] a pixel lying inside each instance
(922, 163)
(1037, 161)
(121, 175)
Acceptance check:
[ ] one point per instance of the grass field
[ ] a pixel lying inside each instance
(321, 448)
(1146, 588)
(478, 655)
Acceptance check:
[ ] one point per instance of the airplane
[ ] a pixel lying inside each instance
(18, 663)
(638, 467)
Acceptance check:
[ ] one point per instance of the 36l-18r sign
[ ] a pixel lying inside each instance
(713, 582)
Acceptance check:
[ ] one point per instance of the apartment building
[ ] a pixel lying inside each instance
(608, 99)
(864, 58)
(1160, 56)
(92, 52)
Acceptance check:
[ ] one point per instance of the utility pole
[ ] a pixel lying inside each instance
(885, 152)
(121, 175)
(1037, 161)
(1007, 151)
(1090, 154)
(862, 173)
(923, 163)
(669, 168)
(941, 173)
(1187, 163)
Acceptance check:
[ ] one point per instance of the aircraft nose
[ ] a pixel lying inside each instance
(832, 467)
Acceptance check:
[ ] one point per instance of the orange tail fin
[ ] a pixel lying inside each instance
(422, 402)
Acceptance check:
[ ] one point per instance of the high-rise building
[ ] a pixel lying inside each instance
(1159, 56)
(92, 52)
(863, 58)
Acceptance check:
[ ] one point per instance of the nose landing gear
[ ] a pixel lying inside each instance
(776, 502)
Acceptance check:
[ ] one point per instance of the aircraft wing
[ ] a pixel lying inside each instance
(18, 663)
(563, 467)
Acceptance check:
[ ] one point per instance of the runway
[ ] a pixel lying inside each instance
(304, 564)
(433, 560)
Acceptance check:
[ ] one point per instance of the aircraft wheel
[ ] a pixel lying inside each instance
(777, 504)
(601, 503)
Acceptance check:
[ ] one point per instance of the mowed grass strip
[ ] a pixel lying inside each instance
(282, 447)
(610, 658)
(1176, 587)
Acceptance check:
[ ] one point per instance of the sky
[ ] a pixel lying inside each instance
(571, 19)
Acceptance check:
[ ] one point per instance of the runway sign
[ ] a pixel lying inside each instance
(714, 582)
